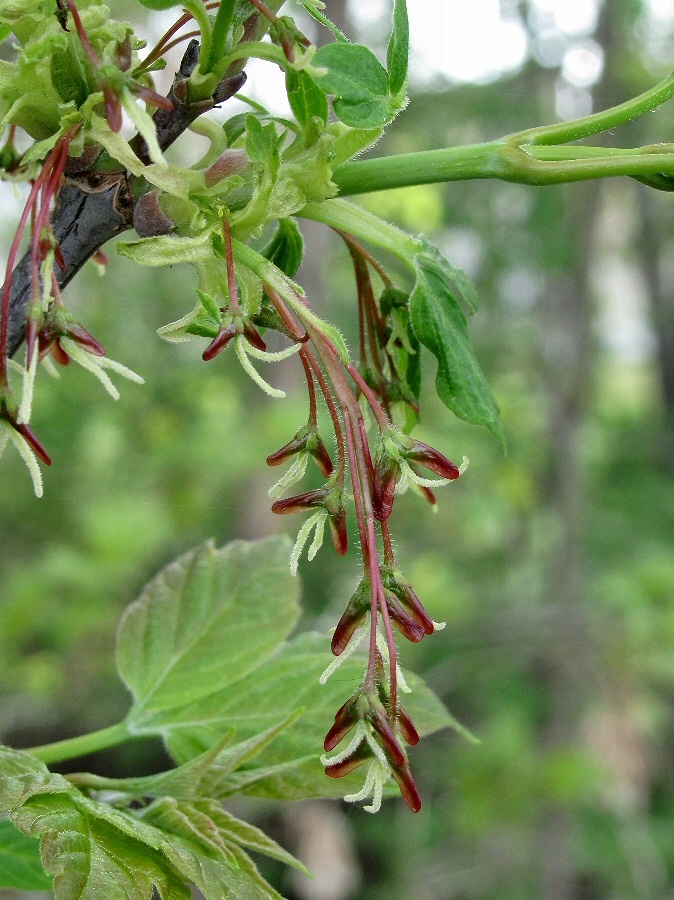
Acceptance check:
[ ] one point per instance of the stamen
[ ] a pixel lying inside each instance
(351, 648)
(242, 347)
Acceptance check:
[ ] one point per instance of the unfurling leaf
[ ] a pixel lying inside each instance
(441, 325)
(397, 55)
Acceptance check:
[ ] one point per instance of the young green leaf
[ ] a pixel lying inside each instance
(306, 99)
(92, 850)
(286, 247)
(96, 851)
(358, 82)
(440, 324)
(196, 628)
(20, 864)
(236, 831)
(398, 51)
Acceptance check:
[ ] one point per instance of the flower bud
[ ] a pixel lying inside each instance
(59, 354)
(232, 162)
(320, 454)
(149, 219)
(252, 335)
(377, 717)
(338, 530)
(296, 445)
(81, 336)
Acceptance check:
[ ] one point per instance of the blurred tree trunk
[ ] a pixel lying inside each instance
(566, 665)
(654, 250)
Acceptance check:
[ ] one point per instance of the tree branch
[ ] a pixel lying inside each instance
(93, 206)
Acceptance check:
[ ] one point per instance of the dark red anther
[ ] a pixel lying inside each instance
(407, 729)
(408, 788)
(298, 443)
(252, 335)
(395, 583)
(432, 459)
(356, 610)
(360, 755)
(219, 343)
(100, 258)
(346, 718)
(81, 336)
(300, 502)
(59, 354)
(428, 494)
(406, 625)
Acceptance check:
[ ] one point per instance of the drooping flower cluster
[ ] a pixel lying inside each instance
(257, 171)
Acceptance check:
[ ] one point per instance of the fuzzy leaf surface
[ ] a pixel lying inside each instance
(96, 851)
(203, 622)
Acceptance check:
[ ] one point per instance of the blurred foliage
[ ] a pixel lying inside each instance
(553, 567)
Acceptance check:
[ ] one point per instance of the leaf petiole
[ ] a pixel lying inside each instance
(70, 748)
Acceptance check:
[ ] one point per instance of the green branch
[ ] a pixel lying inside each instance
(535, 156)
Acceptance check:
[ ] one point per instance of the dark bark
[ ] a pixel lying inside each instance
(95, 206)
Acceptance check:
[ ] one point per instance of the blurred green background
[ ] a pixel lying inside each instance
(553, 567)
